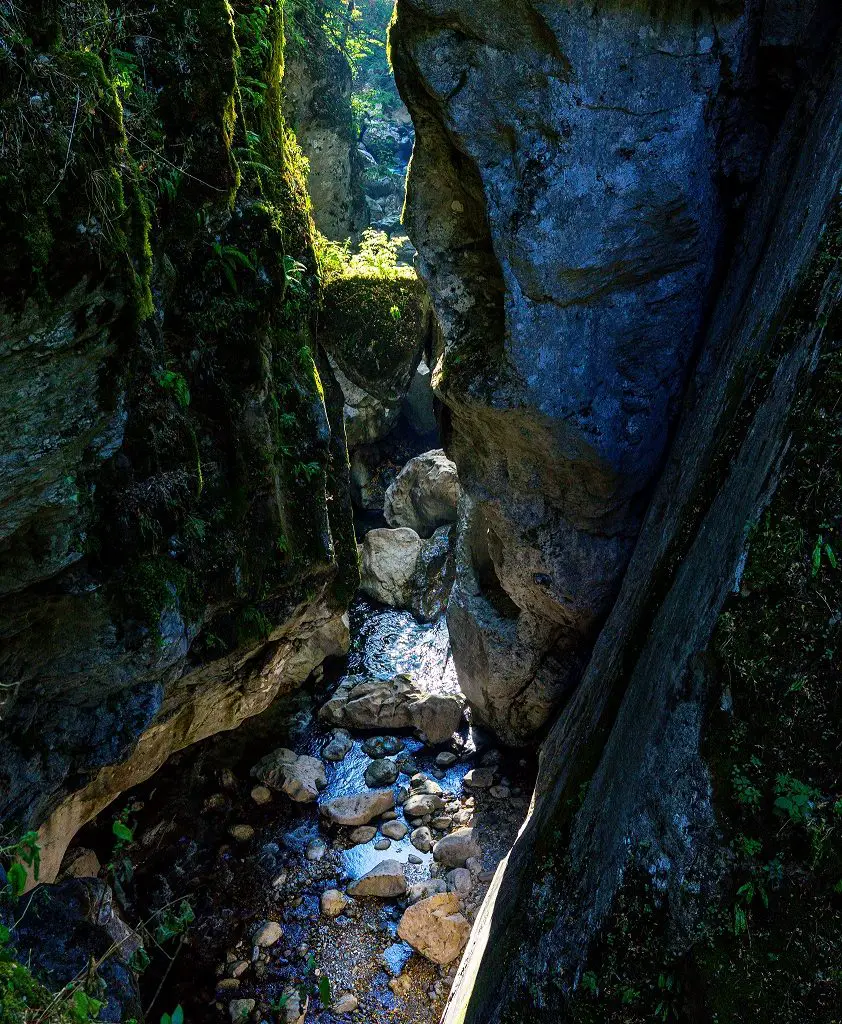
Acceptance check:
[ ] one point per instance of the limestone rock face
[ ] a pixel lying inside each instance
(317, 104)
(150, 505)
(565, 203)
(361, 702)
(436, 927)
(424, 495)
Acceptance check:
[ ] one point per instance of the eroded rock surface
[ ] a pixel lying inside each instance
(564, 198)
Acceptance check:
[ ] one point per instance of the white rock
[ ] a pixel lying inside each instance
(333, 902)
(424, 494)
(266, 934)
(388, 565)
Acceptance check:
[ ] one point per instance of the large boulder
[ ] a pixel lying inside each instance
(389, 558)
(359, 808)
(424, 495)
(362, 702)
(436, 927)
(403, 571)
(300, 776)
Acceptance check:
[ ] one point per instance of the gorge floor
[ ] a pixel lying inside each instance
(186, 821)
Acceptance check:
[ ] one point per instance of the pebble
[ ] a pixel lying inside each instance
(500, 792)
(266, 934)
(381, 772)
(446, 759)
(238, 967)
(333, 902)
(413, 858)
(228, 779)
(479, 778)
(261, 795)
(316, 849)
(422, 839)
(227, 984)
(394, 829)
(339, 746)
(241, 1008)
(382, 844)
(215, 802)
(459, 880)
(346, 1003)
(242, 833)
(363, 834)
(381, 746)
(442, 822)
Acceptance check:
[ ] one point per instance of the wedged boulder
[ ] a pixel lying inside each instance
(362, 702)
(385, 880)
(389, 558)
(401, 570)
(358, 809)
(300, 776)
(436, 927)
(381, 772)
(367, 418)
(424, 495)
(338, 746)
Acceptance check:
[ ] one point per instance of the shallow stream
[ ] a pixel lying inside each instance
(186, 819)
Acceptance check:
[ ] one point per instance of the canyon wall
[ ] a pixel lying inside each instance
(604, 196)
(176, 543)
(577, 173)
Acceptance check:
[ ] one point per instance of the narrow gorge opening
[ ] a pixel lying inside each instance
(420, 606)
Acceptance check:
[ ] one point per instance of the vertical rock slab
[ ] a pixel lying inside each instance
(564, 198)
(630, 741)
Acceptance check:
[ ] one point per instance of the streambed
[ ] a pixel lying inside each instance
(200, 835)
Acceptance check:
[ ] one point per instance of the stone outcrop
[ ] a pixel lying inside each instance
(176, 543)
(569, 192)
(360, 702)
(317, 104)
(358, 809)
(424, 495)
(627, 791)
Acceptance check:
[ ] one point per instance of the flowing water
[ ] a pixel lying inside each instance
(184, 820)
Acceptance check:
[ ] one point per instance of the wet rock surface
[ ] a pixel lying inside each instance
(271, 916)
(424, 495)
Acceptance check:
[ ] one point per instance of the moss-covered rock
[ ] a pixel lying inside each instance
(173, 481)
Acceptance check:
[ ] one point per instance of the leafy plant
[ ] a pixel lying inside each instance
(306, 470)
(174, 921)
(745, 791)
(176, 1017)
(229, 258)
(24, 854)
(822, 550)
(794, 798)
(175, 383)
